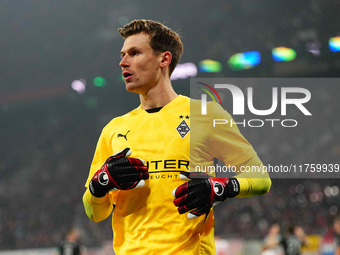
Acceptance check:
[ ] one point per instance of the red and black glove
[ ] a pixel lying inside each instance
(119, 172)
(202, 192)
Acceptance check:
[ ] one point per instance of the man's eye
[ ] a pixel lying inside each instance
(134, 53)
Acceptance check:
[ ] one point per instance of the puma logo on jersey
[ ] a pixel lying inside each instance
(120, 135)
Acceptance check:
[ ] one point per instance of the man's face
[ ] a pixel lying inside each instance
(140, 65)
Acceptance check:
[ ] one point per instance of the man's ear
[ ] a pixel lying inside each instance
(166, 59)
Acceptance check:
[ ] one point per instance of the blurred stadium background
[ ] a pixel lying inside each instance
(60, 83)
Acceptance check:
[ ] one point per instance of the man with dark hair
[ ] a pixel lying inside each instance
(71, 245)
(291, 242)
(143, 191)
(162, 38)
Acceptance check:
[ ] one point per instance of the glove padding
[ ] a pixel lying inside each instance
(202, 192)
(119, 172)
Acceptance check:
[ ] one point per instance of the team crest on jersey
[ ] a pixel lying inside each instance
(183, 128)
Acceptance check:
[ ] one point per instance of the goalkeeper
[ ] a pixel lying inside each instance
(140, 172)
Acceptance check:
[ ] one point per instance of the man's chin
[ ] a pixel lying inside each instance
(131, 88)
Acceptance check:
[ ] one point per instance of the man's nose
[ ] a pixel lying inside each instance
(124, 62)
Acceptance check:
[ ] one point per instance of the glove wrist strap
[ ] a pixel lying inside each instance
(232, 188)
(96, 189)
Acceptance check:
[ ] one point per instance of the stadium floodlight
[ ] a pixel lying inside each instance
(184, 71)
(210, 66)
(79, 86)
(245, 60)
(334, 44)
(283, 54)
(99, 81)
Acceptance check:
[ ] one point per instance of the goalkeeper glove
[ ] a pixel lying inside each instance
(119, 172)
(202, 192)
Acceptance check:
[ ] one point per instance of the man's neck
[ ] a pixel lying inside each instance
(157, 97)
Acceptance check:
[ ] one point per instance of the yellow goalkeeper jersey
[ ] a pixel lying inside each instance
(145, 220)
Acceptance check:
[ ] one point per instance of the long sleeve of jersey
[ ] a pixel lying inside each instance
(216, 135)
(253, 183)
(97, 208)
